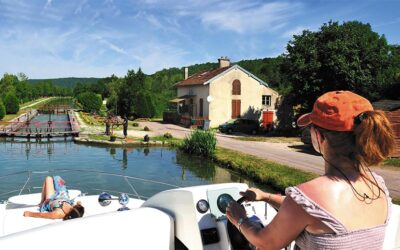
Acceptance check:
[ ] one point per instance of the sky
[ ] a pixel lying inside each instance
(98, 38)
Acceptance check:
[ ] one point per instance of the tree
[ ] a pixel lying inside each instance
(144, 105)
(80, 88)
(2, 110)
(11, 103)
(91, 102)
(126, 94)
(8, 83)
(348, 56)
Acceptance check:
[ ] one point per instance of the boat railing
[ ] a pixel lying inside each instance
(25, 188)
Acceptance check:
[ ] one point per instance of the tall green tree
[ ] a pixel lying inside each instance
(2, 110)
(8, 83)
(91, 102)
(348, 56)
(11, 102)
(126, 94)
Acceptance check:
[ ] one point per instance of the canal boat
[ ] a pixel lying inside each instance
(174, 218)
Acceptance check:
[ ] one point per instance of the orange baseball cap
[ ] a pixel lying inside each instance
(336, 111)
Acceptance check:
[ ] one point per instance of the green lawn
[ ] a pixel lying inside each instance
(394, 162)
(271, 173)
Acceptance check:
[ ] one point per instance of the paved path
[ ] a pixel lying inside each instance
(33, 104)
(294, 155)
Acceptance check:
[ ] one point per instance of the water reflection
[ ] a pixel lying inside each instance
(124, 158)
(34, 146)
(159, 164)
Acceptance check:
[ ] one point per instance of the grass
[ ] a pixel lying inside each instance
(277, 175)
(396, 200)
(9, 117)
(91, 120)
(394, 162)
(31, 102)
(99, 137)
(200, 142)
(175, 142)
(277, 139)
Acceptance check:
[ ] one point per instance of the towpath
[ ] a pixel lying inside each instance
(35, 103)
(294, 155)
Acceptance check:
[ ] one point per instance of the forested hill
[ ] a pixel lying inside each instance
(267, 69)
(67, 82)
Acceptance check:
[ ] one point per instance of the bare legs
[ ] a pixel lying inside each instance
(47, 189)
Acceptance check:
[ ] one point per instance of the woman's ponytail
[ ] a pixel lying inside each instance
(374, 139)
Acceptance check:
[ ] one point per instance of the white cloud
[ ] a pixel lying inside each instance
(48, 4)
(153, 56)
(250, 18)
(154, 21)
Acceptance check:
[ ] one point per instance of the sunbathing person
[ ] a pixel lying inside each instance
(346, 208)
(55, 202)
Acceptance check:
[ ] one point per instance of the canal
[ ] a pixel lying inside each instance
(61, 156)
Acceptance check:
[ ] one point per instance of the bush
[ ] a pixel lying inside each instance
(135, 124)
(168, 135)
(90, 101)
(146, 128)
(200, 142)
(11, 102)
(2, 110)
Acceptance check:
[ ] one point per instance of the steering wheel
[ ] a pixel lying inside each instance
(238, 241)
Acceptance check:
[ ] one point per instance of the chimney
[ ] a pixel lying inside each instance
(224, 62)
(186, 73)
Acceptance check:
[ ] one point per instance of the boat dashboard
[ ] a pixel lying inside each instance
(199, 213)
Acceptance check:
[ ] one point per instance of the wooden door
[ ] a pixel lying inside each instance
(235, 109)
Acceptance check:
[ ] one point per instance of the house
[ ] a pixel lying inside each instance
(392, 110)
(222, 94)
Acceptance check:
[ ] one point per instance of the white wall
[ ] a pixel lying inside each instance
(201, 91)
(251, 96)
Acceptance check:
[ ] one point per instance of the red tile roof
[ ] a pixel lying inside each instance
(202, 77)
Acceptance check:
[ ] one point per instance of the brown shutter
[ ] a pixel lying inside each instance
(235, 109)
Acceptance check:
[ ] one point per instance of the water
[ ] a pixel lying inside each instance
(48, 157)
(40, 123)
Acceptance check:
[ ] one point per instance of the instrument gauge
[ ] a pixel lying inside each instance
(202, 206)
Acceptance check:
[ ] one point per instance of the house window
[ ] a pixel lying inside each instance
(236, 87)
(266, 100)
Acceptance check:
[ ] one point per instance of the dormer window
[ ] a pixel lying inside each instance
(236, 87)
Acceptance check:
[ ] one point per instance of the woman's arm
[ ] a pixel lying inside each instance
(50, 215)
(283, 229)
(255, 194)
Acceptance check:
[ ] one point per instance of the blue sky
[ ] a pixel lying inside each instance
(97, 38)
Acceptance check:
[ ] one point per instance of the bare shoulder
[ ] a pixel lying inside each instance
(322, 190)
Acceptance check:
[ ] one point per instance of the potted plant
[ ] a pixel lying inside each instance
(113, 137)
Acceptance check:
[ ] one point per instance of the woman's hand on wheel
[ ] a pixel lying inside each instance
(234, 212)
(254, 194)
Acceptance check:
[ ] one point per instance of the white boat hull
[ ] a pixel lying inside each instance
(158, 223)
